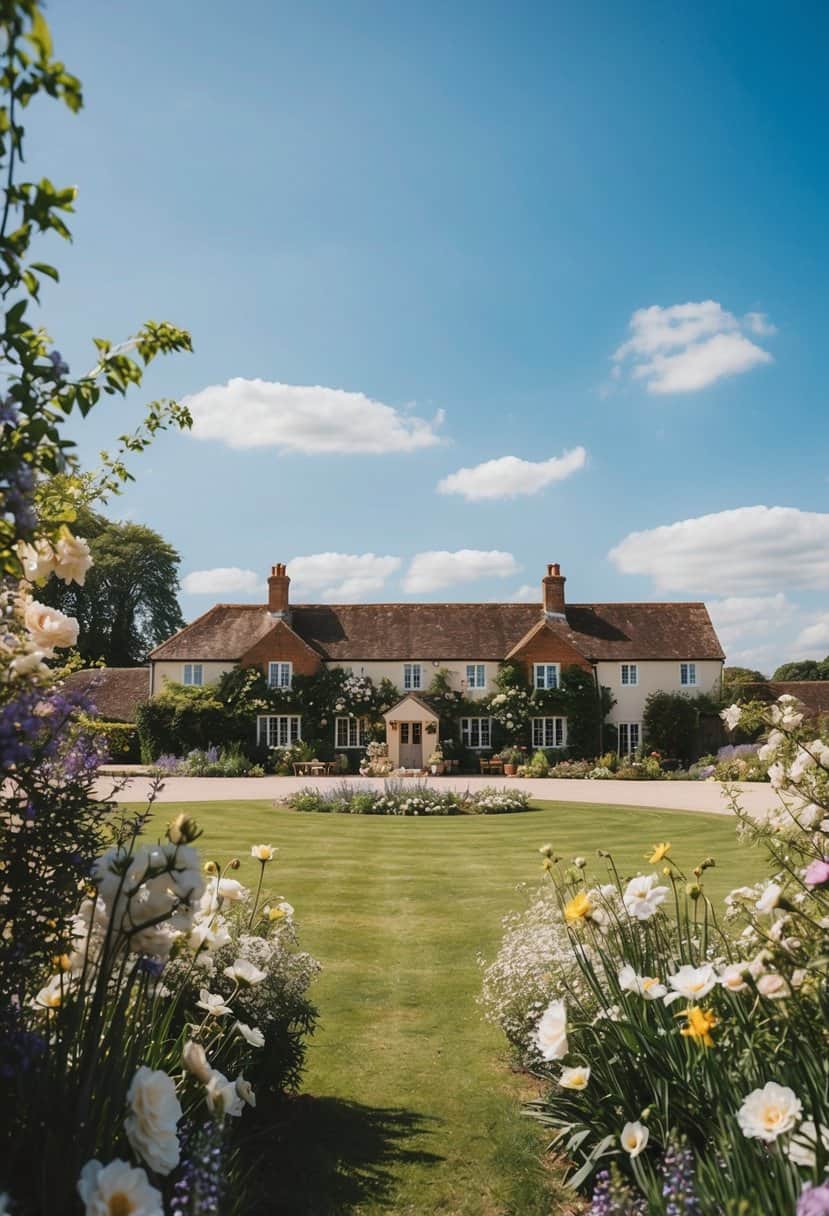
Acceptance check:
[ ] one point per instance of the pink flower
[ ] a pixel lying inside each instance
(817, 873)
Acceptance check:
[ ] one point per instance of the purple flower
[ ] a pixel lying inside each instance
(817, 873)
(59, 366)
(814, 1201)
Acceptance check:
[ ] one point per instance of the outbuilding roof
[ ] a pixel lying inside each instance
(115, 692)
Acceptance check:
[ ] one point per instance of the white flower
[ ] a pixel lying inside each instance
(244, 1090)
(691, 982)
(633, 1139)
(769, 749)
(770, 897)
(803, 1144)
(773, 986)
(194, 1058)
(37, 560)
(263, 852)
(51, 996)
(731, 716)
(251, 1034)
(72, 558)
(281, 911)
(244, 972)
(551, 1032)
(222, 1097)
(29, 663)
(643, 896)
(733, 978)
(803, 761)
(48, 627)
(644, 985)
(777, 776)
(213, 1004)
(153, 1116)
(574, 1078)
(117, 1188)
(769, 1112)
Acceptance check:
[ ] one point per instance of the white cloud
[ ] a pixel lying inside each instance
(750, 549)
(509, 476)
(439, 568)
(686, 347)
(813, 641)
(299, 418)
(741, 616)
(345, 577)
(526, 594)
(221, 580)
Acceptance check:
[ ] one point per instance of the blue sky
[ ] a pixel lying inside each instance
(499, 230)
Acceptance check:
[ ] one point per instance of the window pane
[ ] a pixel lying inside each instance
(486, 732)
(417, 732)
(404, 732)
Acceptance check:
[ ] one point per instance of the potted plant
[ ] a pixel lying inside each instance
(436, 762)
(511, 757)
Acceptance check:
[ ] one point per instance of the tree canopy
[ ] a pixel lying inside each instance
(129, 602)
(803, 669)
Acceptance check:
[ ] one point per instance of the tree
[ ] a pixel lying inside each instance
(803, 669)
(742, 675)
(669, 725)
(129, 602)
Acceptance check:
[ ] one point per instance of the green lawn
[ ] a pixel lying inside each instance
(410, 1107)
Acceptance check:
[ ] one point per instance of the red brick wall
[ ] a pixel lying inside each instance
(282, 645)
(548, 647)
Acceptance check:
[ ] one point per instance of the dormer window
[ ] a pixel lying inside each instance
(280, 675)
(546, 675)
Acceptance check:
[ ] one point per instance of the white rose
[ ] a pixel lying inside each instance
(37, 560)
(48, 627)
(72, 558)
(117, 1187)
(633, 1139)
(153, 1116)
(551, 1032)
(769, 1112)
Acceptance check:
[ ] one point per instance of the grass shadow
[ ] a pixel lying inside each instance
(333, 1155)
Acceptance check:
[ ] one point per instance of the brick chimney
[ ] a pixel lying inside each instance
(278, 584)
(552, 593)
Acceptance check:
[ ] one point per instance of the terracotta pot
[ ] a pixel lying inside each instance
(509, 770)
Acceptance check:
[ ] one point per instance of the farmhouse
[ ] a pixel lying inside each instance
(631, 649)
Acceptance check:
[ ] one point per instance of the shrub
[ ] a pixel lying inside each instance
(181, 718)
(229, 762)
(118, 739)
(539, 766)
(669, 725)
(578, 769)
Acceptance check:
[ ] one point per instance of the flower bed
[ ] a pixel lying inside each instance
(208, 762)
(406, 798)
(684, 1044)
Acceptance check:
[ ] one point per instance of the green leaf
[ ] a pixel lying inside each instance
(45, 268)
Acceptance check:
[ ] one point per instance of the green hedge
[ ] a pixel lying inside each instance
(120, 739)
(180, 720)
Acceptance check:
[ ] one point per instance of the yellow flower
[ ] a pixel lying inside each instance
(62, 962)
(700, 1023)
(660, 852)
(579, 907)
(210, 867)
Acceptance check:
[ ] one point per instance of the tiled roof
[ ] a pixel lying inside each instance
(116, 692)
(813, 693)
(397, 632)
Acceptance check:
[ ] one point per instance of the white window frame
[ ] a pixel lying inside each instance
(549, 732)
(412, 677)
(476, 675)
(354, 729)
(479, 729)
(544, 673)
(280, 674)
(628, 675)
(189, 674)
(287, 730)
(627, 731)
(689, 672)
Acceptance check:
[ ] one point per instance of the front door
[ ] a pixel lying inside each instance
(411, 745)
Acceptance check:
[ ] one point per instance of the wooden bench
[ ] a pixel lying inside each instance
(493, 765)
